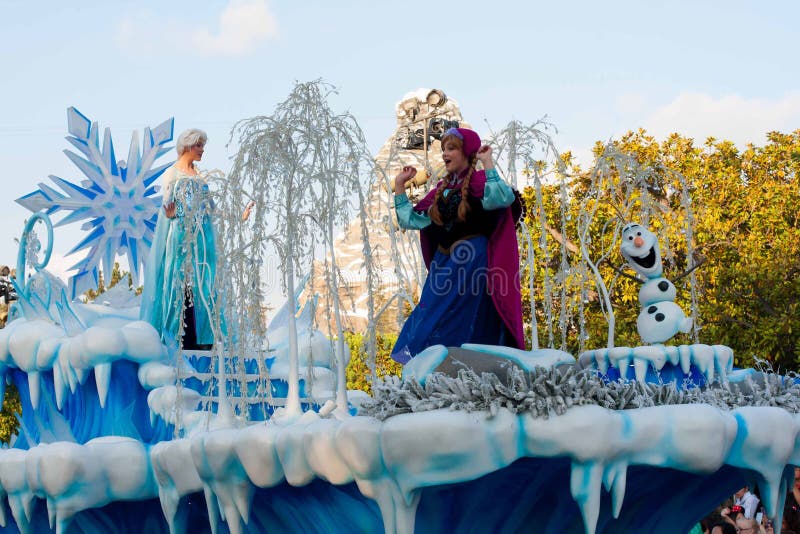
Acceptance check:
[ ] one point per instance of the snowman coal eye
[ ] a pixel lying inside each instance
(638, 233)
(630, 238)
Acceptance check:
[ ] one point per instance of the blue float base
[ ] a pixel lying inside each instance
(531, 495)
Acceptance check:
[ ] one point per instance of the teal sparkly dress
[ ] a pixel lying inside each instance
(182, 264)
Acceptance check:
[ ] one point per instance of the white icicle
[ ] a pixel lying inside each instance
(18, 512)
(655, 355)
(617, 474)
(81, 375)
(601, 358)
(703, 359)
(640, 368)
(766, 444)
(672, 354)
(217, 463)
(59, 385)
(34, 386)
(621, 358)
(71, 376)
(26, 499)
(212, 506)
(723, 361)
(585, 483)
(51, 512)
(685, 355)
(102, 378)
(175, 474)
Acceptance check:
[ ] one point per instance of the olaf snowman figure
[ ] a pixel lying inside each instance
(660, 318)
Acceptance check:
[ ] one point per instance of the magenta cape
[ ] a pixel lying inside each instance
(503, 254)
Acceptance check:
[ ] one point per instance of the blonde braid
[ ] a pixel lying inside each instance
(463, 206)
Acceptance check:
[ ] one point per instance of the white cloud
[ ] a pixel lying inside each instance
(243, 24)
(631, 102)
(239, 29)
(731, 117)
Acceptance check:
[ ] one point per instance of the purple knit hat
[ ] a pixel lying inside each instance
(470, 140)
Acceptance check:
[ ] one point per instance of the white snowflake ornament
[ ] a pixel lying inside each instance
(118, 200)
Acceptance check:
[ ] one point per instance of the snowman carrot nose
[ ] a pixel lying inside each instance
(638, 241)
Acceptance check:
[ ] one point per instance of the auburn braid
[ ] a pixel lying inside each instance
(463, 206)
(433, 212)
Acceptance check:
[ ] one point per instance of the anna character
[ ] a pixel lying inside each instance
(469, 245)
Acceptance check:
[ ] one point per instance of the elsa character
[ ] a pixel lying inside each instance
(179, 282)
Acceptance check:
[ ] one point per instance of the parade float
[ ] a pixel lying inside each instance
(123, 432)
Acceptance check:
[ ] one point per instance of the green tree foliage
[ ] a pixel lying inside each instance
(8, 416)
(746, 238)
(358, 373)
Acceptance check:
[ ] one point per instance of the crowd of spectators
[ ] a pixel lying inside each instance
(744, 513)
(7, 293)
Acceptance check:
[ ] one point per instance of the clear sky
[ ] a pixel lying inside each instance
(597, 69)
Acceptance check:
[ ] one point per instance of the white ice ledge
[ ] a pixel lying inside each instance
(711, 360)
(391, 461)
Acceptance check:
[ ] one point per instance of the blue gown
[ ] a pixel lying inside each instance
(182, 264)
(455, 306)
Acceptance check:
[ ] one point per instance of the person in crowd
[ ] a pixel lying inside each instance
(747, 525)
(769, 528)
(746, 500)
(469, 244)
(723, 528)
(7, 293)
(791, 510)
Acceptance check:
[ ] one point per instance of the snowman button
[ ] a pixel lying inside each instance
(659, 317)
(652, 309)
(663, 285)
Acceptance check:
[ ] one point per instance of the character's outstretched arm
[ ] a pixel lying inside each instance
(407, 217)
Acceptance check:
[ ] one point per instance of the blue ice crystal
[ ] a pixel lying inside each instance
(118, 198)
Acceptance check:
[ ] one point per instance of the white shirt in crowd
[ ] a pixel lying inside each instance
(749, 502)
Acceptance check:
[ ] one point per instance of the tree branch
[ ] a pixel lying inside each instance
(619, 271)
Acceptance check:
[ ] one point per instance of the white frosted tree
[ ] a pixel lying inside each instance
(309, 161)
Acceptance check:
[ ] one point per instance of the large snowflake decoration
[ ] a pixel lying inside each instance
(118, 198)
